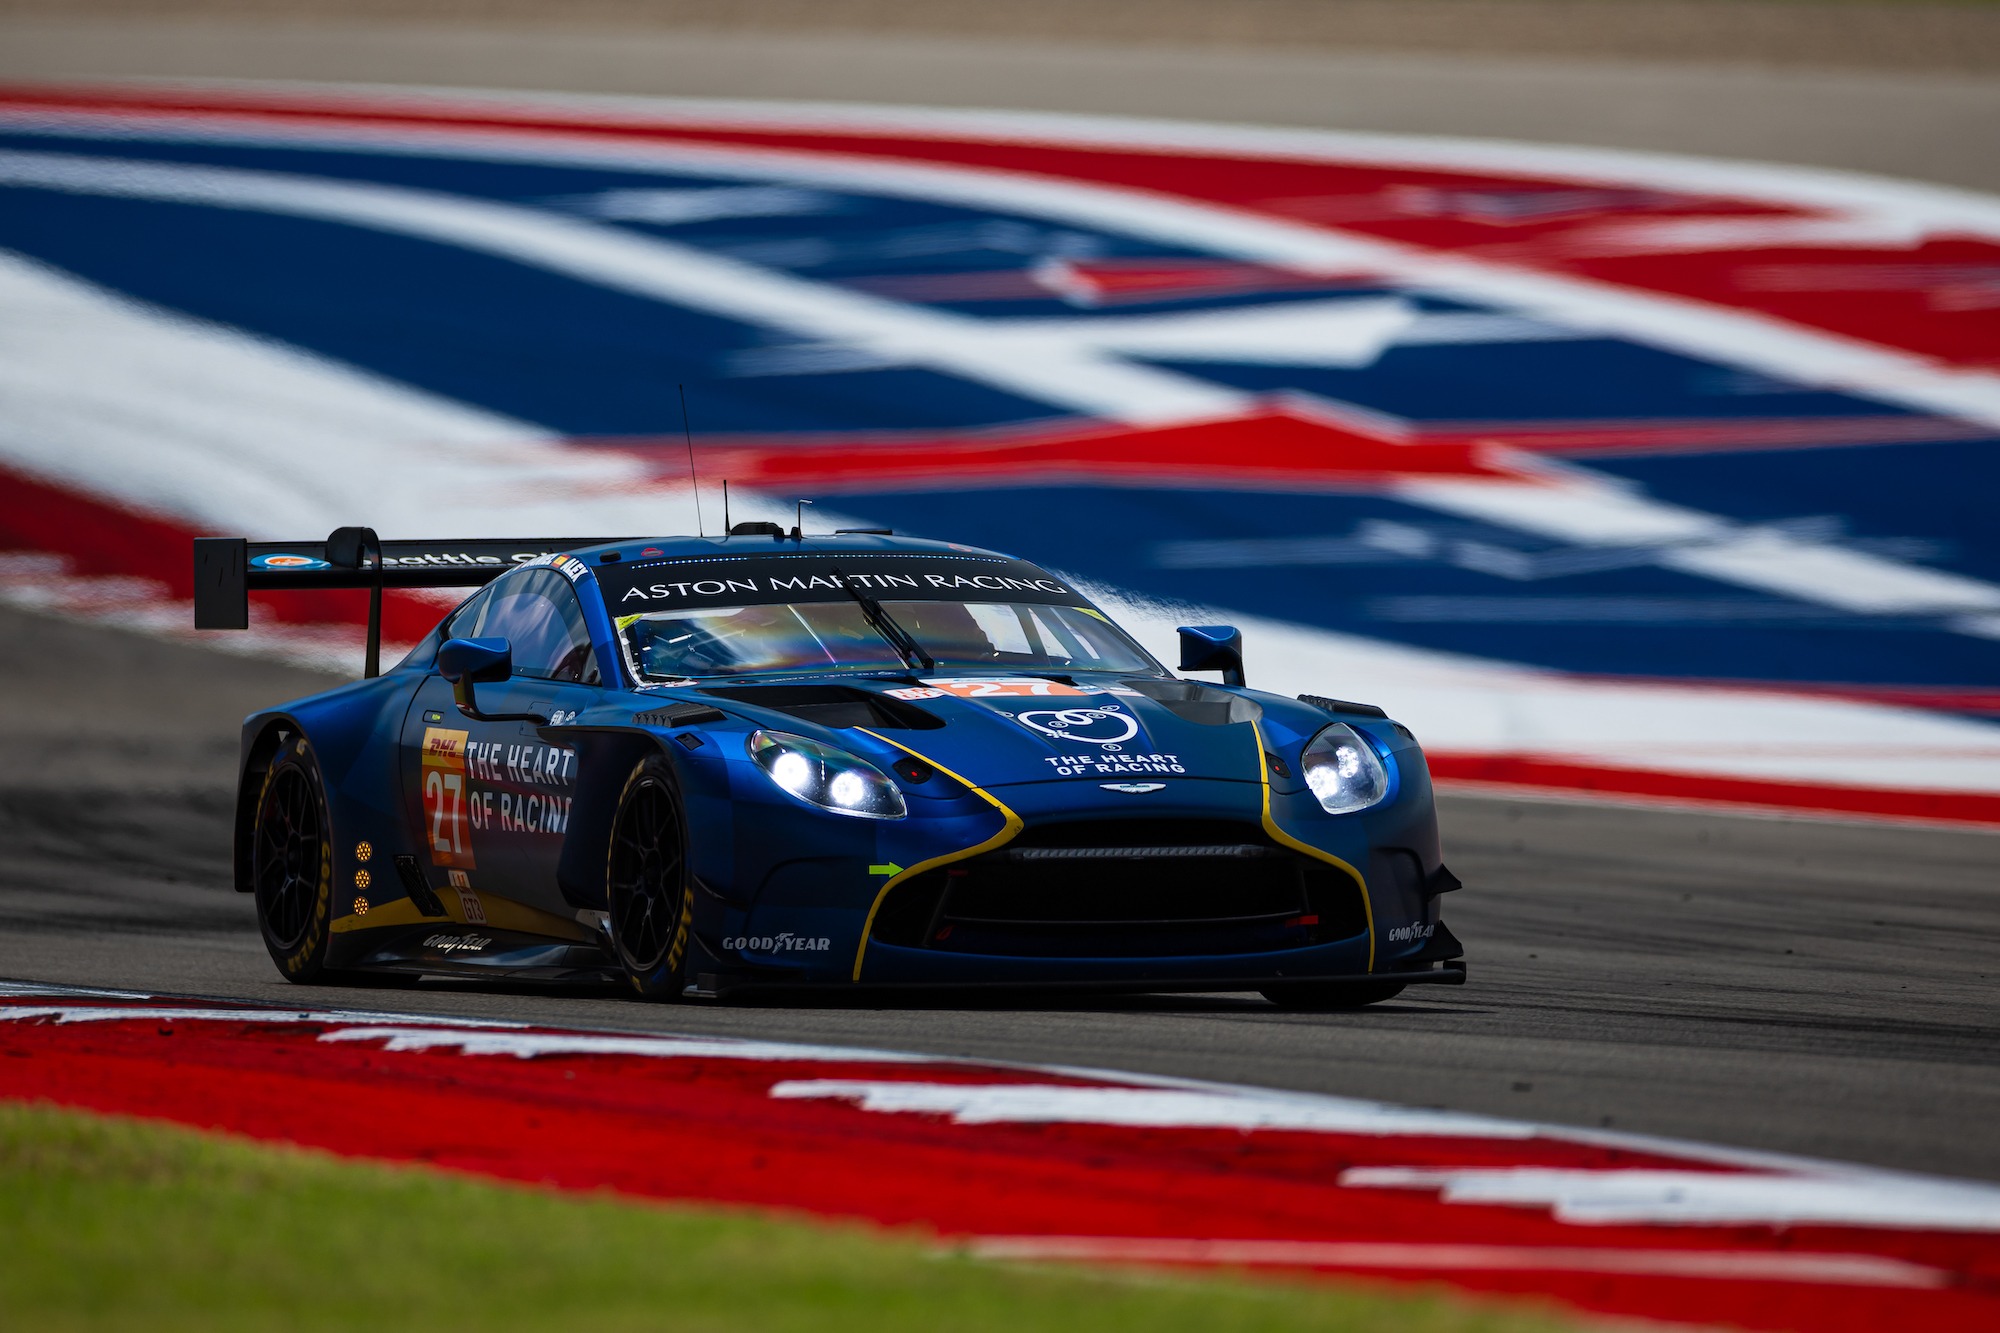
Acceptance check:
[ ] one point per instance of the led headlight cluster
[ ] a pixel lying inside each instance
(826, 777)
(1342, 770)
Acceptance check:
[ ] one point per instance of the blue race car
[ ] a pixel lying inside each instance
(702, 765)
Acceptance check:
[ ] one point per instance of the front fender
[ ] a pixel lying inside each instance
(605, 758)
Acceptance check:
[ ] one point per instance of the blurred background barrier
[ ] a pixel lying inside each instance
(1667, 477)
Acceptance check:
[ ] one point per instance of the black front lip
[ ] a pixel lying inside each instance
(1449, 974)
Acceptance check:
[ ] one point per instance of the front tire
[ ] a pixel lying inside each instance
(291, 865)
(1327, 996)
(647, 887)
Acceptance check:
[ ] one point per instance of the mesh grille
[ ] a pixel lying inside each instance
(1126, 888)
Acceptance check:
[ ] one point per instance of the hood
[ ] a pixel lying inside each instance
(1005, 730)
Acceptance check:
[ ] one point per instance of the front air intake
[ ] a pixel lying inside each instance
(1126, 889)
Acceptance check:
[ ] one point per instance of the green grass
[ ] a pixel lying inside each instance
(108, 1223)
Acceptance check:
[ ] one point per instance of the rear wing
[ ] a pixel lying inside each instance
(228, 569)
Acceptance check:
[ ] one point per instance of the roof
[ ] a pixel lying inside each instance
(657, 548)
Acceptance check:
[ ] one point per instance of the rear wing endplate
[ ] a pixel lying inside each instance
(228, 569)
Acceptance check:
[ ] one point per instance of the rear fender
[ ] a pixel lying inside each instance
(353, 733)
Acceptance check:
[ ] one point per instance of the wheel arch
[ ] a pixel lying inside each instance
(263, 736)
(352, 732)
(605, 758)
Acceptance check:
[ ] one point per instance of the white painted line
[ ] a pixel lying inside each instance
(140, 1013)
(1710, 1198)
(1849, 1196)
(39, 989)
(1162, 1108)
(1861, 1270)
(533, 1045)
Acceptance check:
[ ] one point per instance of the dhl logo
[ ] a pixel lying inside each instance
(444, 747)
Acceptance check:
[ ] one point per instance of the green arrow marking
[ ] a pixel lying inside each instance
(891, 869)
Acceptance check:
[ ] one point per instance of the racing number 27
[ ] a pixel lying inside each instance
(444, 797)
(444, 801)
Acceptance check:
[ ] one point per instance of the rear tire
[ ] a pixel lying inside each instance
(291, 865)
(1325, 996)
(647, 887)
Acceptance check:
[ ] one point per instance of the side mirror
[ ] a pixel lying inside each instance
(1213, 648)
(469, 662)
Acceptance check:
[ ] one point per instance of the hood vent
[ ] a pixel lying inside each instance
(834, 706)
(1192, 701)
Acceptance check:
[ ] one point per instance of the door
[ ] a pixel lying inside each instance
(490, 801)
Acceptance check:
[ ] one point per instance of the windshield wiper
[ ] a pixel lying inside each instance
(885, 625)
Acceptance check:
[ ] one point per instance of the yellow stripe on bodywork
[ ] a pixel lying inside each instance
(401, 912)
(1271, 827)
(1006, 834)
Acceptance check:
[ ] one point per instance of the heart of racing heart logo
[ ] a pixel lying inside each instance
(1088, 726)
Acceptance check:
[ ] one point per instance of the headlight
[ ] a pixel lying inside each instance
(828, 778)
(1342, 770)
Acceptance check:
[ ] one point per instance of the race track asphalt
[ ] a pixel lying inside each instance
(1789, 985)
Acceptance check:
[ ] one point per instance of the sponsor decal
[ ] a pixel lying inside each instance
(564, 564)
(784, 943)
(765, 580)
(288, 562)
(687, 589)
(457, 943)
(1410, 933)
(432, 559)
(446, 825)
(1004, 687)
(444, 558)
(525, 764)
(515, 786)
(1087, 726)
(1113, 765)
(468, 901)
(651, 550)
(1134, 788)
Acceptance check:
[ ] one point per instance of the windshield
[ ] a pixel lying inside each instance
(836, 636)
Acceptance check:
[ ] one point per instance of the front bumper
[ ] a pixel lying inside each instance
(1124, 976)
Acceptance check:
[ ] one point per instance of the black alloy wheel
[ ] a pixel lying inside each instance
(291, 864)
(646, 881)
(1325, 996)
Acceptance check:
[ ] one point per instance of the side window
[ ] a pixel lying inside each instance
(537, 611)
(464, 622)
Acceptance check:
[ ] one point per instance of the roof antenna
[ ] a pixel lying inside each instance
(799, 520)
(725, 506)
(694, 483)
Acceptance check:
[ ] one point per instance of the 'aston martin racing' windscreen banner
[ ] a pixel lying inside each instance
(822, 576)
